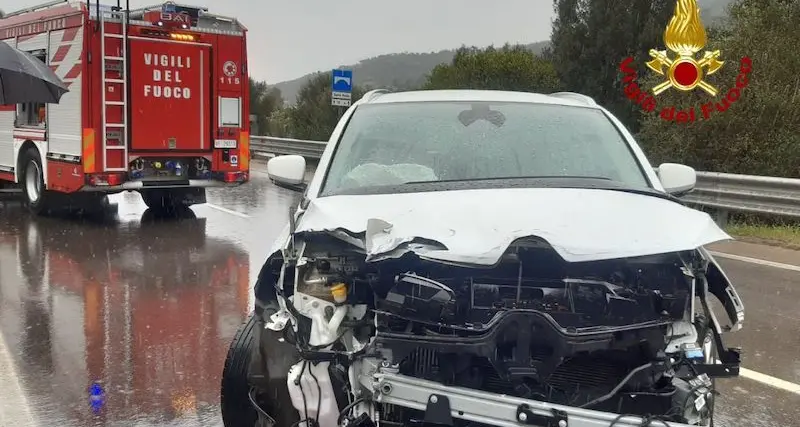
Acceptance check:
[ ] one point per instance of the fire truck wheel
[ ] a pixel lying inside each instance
(36, 197)
(160, 200)
(237, 411)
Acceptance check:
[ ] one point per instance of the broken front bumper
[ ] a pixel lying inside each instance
(442, 403)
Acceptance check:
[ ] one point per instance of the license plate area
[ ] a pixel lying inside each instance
(224, 143)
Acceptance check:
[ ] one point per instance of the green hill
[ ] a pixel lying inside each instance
(392, 71)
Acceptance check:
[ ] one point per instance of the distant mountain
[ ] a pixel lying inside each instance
(391, 71)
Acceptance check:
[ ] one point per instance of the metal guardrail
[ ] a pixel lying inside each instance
(727, 192)
(720, 192)
(280, 146)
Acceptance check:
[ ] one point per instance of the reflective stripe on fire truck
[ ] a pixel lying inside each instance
(244, 151)
(89, 162)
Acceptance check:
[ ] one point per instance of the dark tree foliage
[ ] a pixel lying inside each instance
(264, 101)
(508, 68)
(591, 37)
(760, 132)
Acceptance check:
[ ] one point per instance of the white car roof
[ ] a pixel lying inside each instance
(559, 98)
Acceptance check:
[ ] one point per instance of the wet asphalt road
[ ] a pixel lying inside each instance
(146, 307)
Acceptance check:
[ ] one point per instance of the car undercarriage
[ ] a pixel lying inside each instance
(531, 340)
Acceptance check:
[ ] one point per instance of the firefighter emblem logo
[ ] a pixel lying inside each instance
(685, 36)
(229, 68)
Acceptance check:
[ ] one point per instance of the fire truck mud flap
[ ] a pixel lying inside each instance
(442, 404)
(170, 78)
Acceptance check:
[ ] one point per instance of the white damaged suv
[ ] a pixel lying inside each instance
(484, 258)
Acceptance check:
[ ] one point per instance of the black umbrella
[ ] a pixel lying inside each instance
(24, 78)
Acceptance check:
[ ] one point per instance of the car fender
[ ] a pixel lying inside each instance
(721, 287)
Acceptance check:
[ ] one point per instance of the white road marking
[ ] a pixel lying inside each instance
(770, 380)
(756, 261)
(14, 407)
(228, 211)
(767, 380)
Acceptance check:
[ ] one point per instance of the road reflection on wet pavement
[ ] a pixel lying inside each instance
(145, 308)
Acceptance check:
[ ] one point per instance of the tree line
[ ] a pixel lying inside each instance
(751, 126)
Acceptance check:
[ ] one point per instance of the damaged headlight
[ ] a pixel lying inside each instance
(420, 297)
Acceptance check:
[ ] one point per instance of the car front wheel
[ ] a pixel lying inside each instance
(237, 411)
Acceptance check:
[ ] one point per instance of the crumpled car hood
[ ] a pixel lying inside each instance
(477, 226)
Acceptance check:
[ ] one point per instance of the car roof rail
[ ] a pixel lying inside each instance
(373, 94)
(575, 97)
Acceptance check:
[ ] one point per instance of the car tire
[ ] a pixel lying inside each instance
(33, 186)
(237, 411)
(712, 354)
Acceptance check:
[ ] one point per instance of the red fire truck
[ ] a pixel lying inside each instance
(158, 103)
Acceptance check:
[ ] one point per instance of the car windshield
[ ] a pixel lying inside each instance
(386, 145)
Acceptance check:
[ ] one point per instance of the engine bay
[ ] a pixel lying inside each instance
(618, 335)
(529, 277)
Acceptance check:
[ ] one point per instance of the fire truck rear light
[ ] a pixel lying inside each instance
(235, 177)
(105, 179)
(182, 37)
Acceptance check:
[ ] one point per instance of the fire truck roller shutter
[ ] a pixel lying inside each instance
(64, 119)
(170, 95)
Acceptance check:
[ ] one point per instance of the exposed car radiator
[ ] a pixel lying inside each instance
(584, 375)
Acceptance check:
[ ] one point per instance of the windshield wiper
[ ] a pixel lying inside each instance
(618, 187)
(646, 192)
(497, 178)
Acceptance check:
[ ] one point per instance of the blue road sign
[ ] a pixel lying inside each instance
(342, 81)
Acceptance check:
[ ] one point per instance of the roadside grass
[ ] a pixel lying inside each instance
(777, 234)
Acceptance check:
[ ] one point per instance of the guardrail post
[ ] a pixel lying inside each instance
(721, 217)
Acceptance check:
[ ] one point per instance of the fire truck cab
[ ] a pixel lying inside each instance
(158, 103)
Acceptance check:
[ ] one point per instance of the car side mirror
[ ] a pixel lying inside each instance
(288, 172)
(677, 179)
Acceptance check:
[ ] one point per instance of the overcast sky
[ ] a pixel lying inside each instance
(289, 38)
